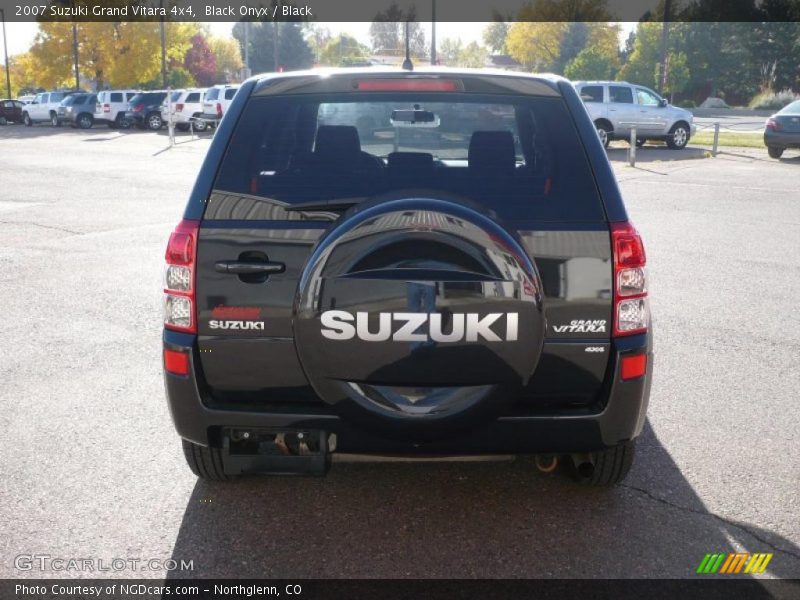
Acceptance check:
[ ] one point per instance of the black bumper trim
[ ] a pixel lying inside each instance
(620, 417)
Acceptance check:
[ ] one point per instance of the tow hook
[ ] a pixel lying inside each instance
(584, 464)
(546, 463)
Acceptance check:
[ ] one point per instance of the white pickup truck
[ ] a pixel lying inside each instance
(44, 107)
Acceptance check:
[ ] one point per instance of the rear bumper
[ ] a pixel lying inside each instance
(617, 417)
(782, 139)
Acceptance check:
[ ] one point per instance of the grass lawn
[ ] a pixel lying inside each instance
(729, 138)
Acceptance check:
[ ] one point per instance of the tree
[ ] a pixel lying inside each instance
(565, 11)
(293, 50)
(201, 62)
(494, 36)
(24, 77)
(449, 51)
(537, 45)
(388, 33)
(228, 57)
(343, 50)
(643, 60)
(590, 63)
(473, 55)
(677, 73)
(317, 37)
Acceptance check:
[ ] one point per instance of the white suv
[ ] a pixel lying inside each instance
(618, 106)
(44, 107)
(187, 107)
(218, 99)
(111, 106)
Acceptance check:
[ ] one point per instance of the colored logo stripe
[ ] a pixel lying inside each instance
(733, 563)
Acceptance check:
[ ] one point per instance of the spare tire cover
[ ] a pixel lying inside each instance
(418, 315)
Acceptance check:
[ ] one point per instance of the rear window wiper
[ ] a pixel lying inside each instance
(341, 204)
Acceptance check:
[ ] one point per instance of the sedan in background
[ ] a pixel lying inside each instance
(10, 111)
(782, 130)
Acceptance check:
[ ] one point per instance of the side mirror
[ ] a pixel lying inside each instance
(663, 102)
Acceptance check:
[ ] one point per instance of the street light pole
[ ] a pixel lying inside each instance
(75, 55)
(163, 48)
(433, 32)
(5, 53)
(662, 65)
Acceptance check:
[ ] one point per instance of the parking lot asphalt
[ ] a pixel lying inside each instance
(93, 468)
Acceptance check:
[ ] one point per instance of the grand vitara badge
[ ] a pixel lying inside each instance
(420, 327)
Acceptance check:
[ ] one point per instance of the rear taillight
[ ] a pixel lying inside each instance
(138, 108)
(631, 311)
(179, 277)
(106, 108)
(219, 110)
(179, 108)
(773, 125)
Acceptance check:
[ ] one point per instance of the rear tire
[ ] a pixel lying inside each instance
(3, 121)
(26, 119)
(611, 466)
(122, 122)
(154, 122)
(54, 120)
(198, 123)
(640, 142)
(205, 462)
(604, 131)
(85, 121)
(182, 126)
(774, 151)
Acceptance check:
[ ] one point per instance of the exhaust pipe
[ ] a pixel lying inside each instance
(546, 463)
(584, 464)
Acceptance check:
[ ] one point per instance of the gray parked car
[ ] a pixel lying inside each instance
(78, 110)
(617, 106)
(783, 130)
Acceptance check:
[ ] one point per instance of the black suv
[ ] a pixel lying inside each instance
(432, 284)
(144, 110)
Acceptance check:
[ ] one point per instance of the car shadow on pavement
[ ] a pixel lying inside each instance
(458, 519)
(655, 153)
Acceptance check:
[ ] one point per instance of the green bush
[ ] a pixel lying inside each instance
(773, 101)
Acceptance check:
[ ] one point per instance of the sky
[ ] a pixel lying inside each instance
(20, 35)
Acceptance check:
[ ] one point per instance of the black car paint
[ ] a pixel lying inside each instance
(252, 380)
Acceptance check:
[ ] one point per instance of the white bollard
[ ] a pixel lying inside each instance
(632, 149)
(714, 149)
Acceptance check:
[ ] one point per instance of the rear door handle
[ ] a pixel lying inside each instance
(238, 267)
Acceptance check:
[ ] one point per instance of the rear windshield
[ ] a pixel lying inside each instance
(212, 94)
(230, 93)
(175, 96)
(518, 155)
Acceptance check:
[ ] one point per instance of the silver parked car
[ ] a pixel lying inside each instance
(618, 106)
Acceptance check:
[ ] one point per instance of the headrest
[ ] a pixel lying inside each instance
(492, 150)
(337, 142)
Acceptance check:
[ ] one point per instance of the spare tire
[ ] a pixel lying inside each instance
(419, 315)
